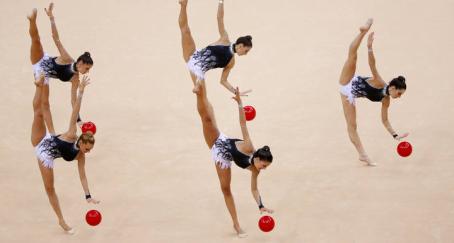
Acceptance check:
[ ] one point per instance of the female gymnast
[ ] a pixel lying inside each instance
(373, 88)
(61, 67)
(219, 54)
(224, 150)
(49, 146)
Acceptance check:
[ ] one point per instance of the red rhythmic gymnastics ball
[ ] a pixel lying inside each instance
(249, 111)
(89, 127)
(266, 223)
(404, 149)
(93, 217)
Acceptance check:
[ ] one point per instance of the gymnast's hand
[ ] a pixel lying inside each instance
(399, 137)
(266, 210)
(237, 96)
(92, 200)
(84, 83)
(245, 93)
(49, 11)
(40, 80)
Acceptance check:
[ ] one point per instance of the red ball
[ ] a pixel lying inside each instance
(88, 127)
(266, 223)
(93, 217)
(404, 149)
(249, 111)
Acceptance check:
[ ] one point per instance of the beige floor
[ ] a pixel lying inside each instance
(150, 166)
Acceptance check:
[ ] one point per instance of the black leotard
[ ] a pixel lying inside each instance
(361, 88)
(213, 57)
(54, 70)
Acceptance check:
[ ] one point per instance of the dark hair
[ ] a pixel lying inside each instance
(245, 40)
(398, 83)
(263, 154)
(85, 58)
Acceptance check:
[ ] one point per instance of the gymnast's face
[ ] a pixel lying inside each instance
(395, 93)
(83, 68)
(85, 147)
(261, 164)
(242, 49)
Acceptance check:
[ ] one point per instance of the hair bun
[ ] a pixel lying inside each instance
(263, 154)
(249, 37)
(401, 78)
(86, 53)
